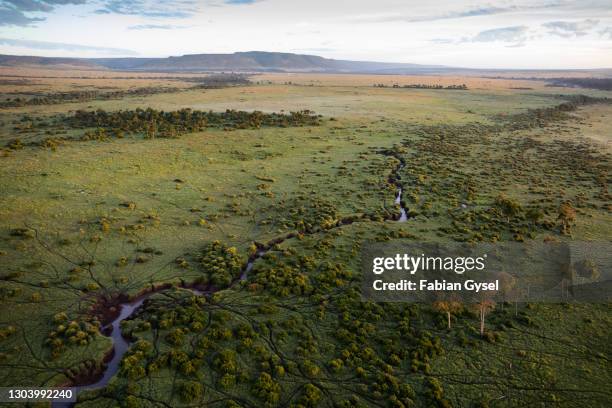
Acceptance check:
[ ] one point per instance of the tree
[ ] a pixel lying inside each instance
(534, 214)
(567, 215)
(267, 389)
(509, 207)
(312, 395)
(190, 391)
(448, 306)
(483, 307)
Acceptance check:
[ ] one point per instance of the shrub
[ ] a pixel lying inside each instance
(267, 389)
(191, 391)
(222, 263)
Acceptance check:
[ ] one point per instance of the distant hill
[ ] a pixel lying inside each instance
(262, 61)
(19, 60)
(252, 61)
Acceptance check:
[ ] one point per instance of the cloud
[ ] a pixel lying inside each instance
(606, 32)
(504, 34)
(443, 41)
(514, 34)
(38, 5)
(471, 12)
(240, 1)
(156, 27)
(12, 12)
(314, 49)
(47, 45)
(15, 12)
(29, 5)
(568, 29)
(9, 16)
(149, 8)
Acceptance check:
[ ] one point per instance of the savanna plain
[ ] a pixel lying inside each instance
(232, 210)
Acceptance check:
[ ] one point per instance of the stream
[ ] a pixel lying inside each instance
(398, 198)
(120, 346)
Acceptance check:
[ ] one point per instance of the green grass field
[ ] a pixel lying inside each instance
(85, 225)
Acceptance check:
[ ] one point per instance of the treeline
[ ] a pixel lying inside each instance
(604, 84)
(156, 123)
(83, 96)
(542, 116)
(216, 81)
(152, 123)
(423, 86)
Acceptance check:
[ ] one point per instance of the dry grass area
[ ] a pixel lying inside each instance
(41, 84)
(596, 124)
(58, 71)
(25, 79)
(369, 80)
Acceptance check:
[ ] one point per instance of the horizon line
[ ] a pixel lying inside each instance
(432, 66)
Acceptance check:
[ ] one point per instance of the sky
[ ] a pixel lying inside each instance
(537, 34)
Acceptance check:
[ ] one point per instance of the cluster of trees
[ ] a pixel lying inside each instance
(303, 213)
(423, 86)
(213, 81)
(604, 84)
(221, 263)
(154, 123)
(83, 96)
(267, 390)
(133, 364)
(506, 217)
(332, 275)
(283, 280)
(541, 117)
(228, 368)
(222, 80)
(69, 333)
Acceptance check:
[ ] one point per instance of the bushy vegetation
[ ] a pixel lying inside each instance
(152, 123)
(604, 84)
(222, 264)
(82, 96)
(69, 333)
(462, 87)
(216, 81)
(213, 81)
(149, 123)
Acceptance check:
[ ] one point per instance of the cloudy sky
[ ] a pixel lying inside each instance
(484, 34)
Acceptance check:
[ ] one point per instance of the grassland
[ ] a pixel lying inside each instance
(87, 224)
